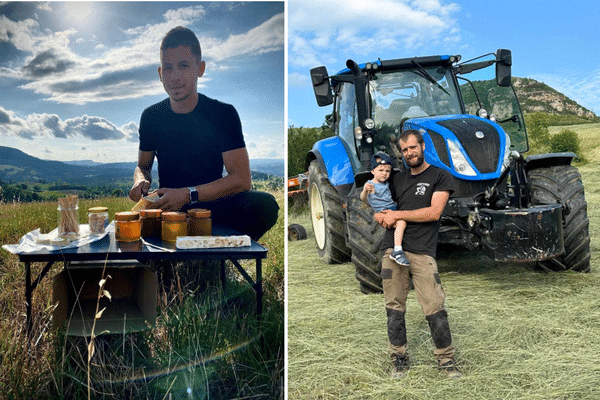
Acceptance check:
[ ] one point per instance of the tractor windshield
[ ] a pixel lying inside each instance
(412, 93)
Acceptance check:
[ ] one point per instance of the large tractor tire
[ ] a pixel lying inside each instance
(365, 237)
(562, 184)
(326, 214)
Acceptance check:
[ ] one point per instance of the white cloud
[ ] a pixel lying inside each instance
(44, 6)
(126, 72)
(45, 125)
(265, 38)
(18, 33)
(263, 146)
(297, 80)
(359, 28)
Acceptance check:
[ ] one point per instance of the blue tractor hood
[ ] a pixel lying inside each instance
(469, 147)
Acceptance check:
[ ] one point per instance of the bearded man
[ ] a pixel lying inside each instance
(421, 193)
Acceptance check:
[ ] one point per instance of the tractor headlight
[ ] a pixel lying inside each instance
(369, 123)
(358, 134)
(506, 161)
(459, 161)
(482, 112)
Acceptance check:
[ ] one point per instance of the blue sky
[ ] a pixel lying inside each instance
(556, 42)
(75, 77)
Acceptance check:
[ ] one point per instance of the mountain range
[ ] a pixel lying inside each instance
(17, 166)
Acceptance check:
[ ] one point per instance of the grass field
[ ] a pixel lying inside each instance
(207, 342)
(520, 334)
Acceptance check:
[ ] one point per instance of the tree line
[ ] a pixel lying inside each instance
(24, 192)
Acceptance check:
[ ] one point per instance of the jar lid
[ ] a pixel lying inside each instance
(199, 213)
(126, 216)
(150, 213)
(174, 216)
(98, 209)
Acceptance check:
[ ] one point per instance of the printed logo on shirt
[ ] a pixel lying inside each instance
(421, 189)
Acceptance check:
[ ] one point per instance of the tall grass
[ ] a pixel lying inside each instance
(206, 344)
(520, 334)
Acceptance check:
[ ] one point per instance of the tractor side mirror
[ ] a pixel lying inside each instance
(321, 86)
(503, 67)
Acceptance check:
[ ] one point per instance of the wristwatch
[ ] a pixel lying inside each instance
(193, 194)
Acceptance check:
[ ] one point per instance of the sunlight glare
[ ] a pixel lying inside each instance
(78, 12)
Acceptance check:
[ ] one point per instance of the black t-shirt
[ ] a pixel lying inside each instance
(413, 192)
(189, 146)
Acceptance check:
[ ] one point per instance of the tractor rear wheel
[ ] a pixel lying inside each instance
(364, 237)
(326, 214)
(562, 184)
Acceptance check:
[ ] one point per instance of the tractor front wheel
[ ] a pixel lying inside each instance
(326, 214)
(562, 184)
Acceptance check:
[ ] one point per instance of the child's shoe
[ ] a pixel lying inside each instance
(400, 258)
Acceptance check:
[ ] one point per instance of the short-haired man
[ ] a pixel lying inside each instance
(421, 193)
(193, 137)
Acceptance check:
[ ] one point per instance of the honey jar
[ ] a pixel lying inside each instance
(199, 222)
(128, 226)
(98, 220)
(151, 222)
(174, 224)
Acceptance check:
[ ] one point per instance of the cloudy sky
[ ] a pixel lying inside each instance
(554, 41)
(75, 77)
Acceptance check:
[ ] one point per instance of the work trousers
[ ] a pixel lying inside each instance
(430, 295)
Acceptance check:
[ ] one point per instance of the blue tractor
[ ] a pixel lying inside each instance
(510, 207)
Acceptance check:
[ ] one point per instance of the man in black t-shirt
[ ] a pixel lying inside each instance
(421, 193)
(193, 139)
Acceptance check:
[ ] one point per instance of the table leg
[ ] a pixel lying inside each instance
(223, 277)
(259, 288)
(28, 290)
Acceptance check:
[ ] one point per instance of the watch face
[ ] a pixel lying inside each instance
(193, 194)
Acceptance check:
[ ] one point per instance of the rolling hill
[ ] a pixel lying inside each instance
(17, 166)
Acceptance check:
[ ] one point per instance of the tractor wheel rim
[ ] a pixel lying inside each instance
(317, 215)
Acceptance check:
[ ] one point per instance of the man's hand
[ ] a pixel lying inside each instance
(385, 218)
(171, 199)
(139, 190)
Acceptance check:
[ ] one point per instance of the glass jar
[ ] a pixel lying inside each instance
(68, 220)
(174, 224)
(97, 220)
(199, 222)
(128, 226)
(151, 222)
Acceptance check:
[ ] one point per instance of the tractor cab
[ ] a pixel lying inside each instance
(373, 102)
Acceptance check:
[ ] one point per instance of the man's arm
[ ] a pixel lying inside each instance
(238, 179)
(142, 175)
(388, 218)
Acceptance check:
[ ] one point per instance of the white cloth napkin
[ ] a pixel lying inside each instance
(28, 243)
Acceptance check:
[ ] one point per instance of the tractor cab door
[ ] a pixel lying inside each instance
(347, 121)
